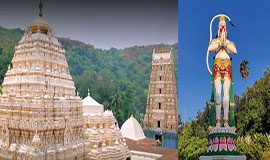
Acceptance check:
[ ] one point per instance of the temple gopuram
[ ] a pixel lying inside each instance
(161, 116)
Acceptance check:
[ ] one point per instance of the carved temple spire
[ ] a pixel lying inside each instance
(40, 8)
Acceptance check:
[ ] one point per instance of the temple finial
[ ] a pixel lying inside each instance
(88, 92)
(40, 8)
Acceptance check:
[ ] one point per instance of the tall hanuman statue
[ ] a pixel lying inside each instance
(222, 140)
(222, 74)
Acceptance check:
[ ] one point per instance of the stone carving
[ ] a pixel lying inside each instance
(40, 115)
(161, 112)
(161, 116)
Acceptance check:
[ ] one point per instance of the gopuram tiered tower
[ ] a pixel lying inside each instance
(161, 117)
(41, 116)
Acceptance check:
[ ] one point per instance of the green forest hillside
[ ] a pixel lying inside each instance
(117, 78)
(8, 39)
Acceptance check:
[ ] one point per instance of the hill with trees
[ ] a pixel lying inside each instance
(117, 78)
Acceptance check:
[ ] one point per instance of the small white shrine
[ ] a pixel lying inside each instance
(132, 129)
(91, 106)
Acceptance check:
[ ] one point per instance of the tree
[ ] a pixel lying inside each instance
(101, 70)
(116, 99)
(190, 147)
(180, 122)
(254, 117)
(127, 102)
(267, 70)
(116, 106)
(244, 70)
(255, 146)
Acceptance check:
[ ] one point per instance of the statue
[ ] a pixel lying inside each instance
(222, 140)
(222, 73)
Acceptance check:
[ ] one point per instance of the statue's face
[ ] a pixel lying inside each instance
(222, 28)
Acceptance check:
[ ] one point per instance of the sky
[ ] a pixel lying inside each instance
(102, 23)
(251, 37)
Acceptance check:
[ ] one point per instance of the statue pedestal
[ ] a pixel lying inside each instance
(223, 158)
(222, 145)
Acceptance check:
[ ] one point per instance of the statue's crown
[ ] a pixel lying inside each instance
(221, 18)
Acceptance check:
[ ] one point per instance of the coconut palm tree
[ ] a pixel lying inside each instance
(116, 99)
(244, 70)
(116, 106)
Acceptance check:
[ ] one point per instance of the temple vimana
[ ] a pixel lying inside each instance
(41, 116)
(161, 117)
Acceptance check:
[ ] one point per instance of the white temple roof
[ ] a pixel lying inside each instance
(132, 129)
(89, 101)
(91, 106)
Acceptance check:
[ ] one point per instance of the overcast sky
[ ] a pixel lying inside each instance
(102, 23)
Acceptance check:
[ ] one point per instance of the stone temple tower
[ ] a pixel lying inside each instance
(41, 116)
(161, 117)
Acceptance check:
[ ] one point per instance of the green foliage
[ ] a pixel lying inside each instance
(190, 147)
(101, 71)
(180, 122)
(200, 126)
(244, 70)
(267, 71)
(254, 146)
(8, 39)
(252, 112)
(129, 69)
(253, 117)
